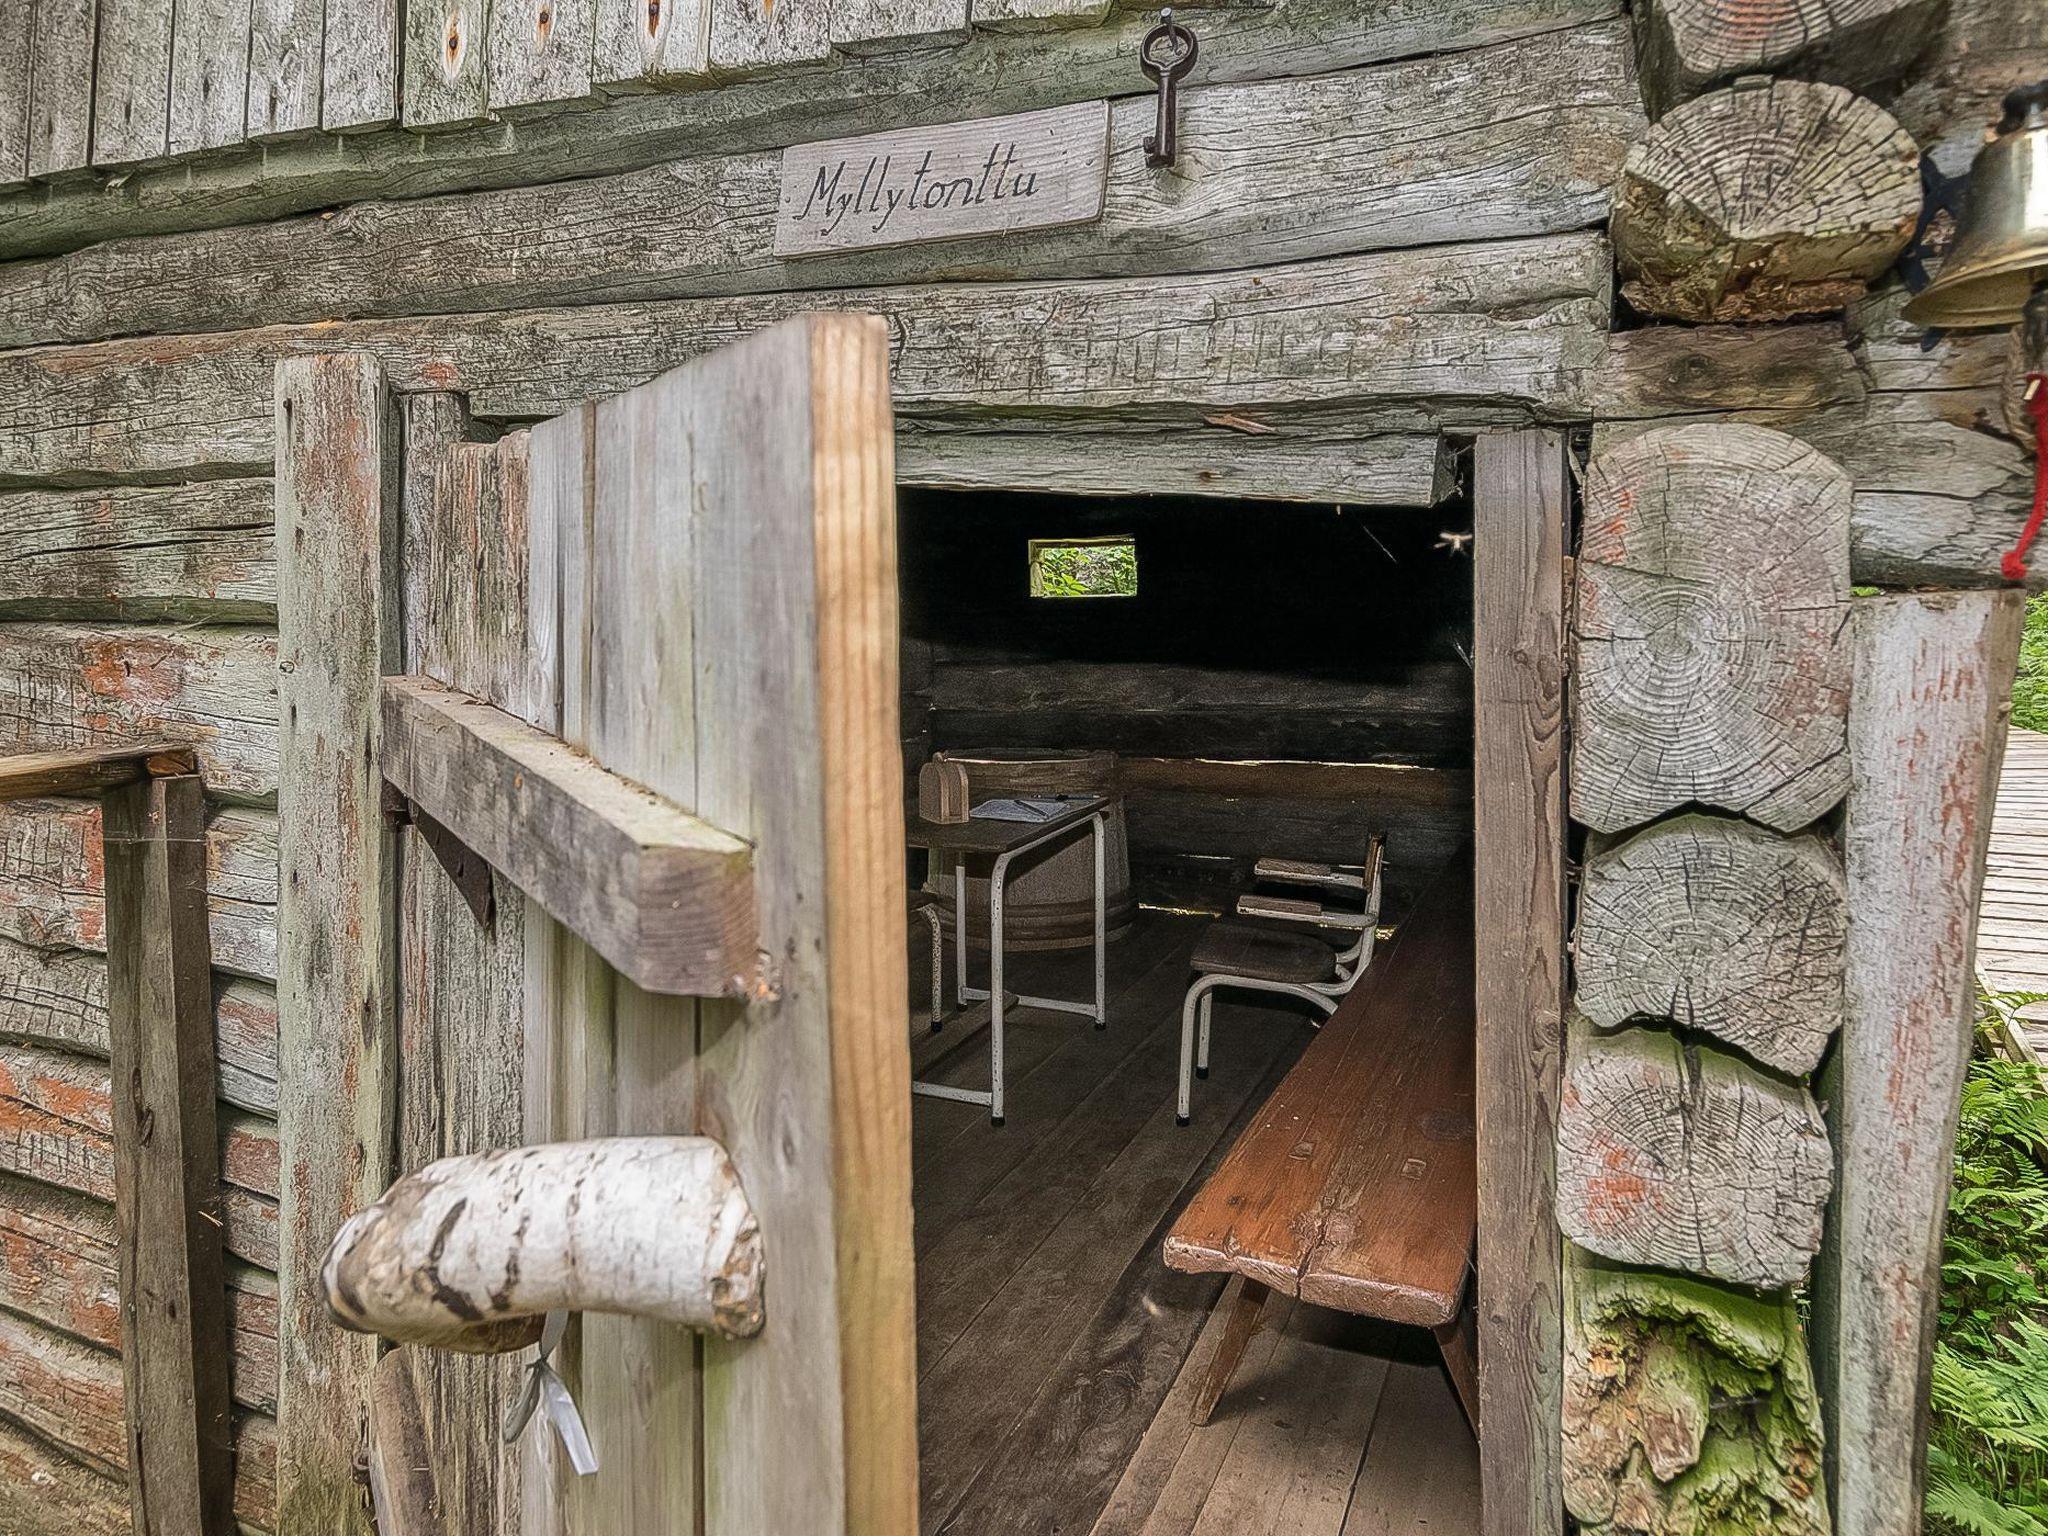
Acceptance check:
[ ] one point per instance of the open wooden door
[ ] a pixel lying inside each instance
(694, 583)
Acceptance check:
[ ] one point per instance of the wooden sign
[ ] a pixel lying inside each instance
(1036, 170)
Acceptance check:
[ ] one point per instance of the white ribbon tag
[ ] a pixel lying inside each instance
(544, 1389)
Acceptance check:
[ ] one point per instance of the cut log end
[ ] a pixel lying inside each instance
(471, 1252)
(1764, 203)
(1684, 47)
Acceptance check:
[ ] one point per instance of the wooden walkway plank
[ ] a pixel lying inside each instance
(60, 87)
(1421, 1472)
(2012, 923)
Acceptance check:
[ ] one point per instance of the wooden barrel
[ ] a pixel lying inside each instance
(1049, 898)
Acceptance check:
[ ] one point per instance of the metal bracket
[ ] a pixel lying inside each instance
(470, 871)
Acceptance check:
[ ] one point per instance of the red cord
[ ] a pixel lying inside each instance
(2014, 566)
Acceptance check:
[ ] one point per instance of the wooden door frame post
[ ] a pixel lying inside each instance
(1520, 514)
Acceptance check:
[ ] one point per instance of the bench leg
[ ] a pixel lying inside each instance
(1238, 1329)
(1459, 1341)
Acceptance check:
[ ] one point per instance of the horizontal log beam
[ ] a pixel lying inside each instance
(1489, 143)
(989, 73)
(666, 898)
(470, 1252)
(1401, 340)
(89, 770)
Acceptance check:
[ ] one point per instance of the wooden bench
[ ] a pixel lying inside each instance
(1356, 1187)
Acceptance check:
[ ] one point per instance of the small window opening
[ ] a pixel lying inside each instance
(1105, 567)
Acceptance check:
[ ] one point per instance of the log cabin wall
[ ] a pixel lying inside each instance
(1389, 224)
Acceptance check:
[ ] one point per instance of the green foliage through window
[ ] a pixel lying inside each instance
(1084, 567)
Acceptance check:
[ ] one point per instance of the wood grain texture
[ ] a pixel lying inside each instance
(1520, 515)
(882, 24)
(447, 64)
(991, 73)
(1393, 339)
(168, 1215)
(57, 1127)
(286, 39)
(59, 998)
(539, 53)
(2011, 956)
(1721, 927)
(131, 88)
(664, 897)
(461, 984)
(1927, 726)
(1711, 658)
(60, 65)
(1764, 202)
(639, 47)
(1355, 1187)
(209, 75)
(1675, 1155)
(87, 772)
(337, 468)
(1520, 139)
(17, 37)
(752, 36)
(359, 65)
(69, 1498)
(1689, 45)
(52, 882)
(200, 551)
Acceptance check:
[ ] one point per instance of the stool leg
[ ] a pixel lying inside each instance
(1185, 1102)
(1238, 1329)
(1202, 1036)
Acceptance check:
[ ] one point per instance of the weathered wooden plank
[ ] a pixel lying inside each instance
(57, 1127)
(1421, 1469)
(59, 998)
(1394, 337)
(60, 87)
(666, 898)
(199, 551)
(637, 47)
(750, 36)
(1039, 15)
(60, 1266)
(209, 75)
(50, 1493)
(461, 984)
(1519, 139)
(69, 1394)
(991, 73)
(17, 43)
(1710, 660)
(359, 65)
(1675, 1155)
(1520, 510)
(64, 685)
(167, 1200)
(872, 24)
(52, 881)
(447, 71)
(1720, 926)
(540, 53)
(131, 90)
(1927, 728)
(337, 543)
(29, 775)
(285, 42)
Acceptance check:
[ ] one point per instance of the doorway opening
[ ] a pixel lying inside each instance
(1249, 689)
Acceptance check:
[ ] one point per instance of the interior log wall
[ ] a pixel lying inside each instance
(1388, 225)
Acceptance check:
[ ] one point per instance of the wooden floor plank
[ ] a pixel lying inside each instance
(2012, 924)
(1421, 1472)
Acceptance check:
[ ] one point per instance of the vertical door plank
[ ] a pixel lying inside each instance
(209, 74)
(131, 81)
(359, 66)
(17, 43)
(752, 35)
(337, 472)
(447, 75)
(167, 1210)
(1926, 737)
(461, 984)
(1520, 513)
(644, 44)
(286, 41)
(869, 25)
(60, 87)
(540, 52)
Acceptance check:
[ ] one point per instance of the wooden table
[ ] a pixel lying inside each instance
(980, 838)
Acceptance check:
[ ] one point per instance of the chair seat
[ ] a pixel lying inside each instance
(1266, 954)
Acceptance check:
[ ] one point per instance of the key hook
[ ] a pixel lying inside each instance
(1167, 53)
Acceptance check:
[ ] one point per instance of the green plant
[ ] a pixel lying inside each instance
(2030, 689)
(1987, 1462)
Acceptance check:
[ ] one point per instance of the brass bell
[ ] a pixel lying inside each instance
(2001, 250)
